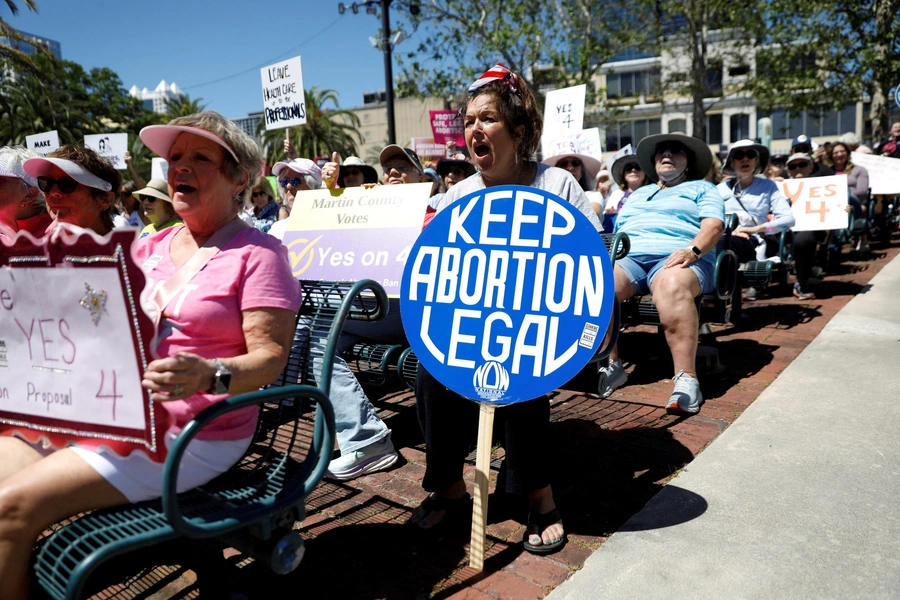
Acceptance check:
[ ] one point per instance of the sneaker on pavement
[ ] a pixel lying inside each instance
(749, 294)
(863, 246)
(801, 295)
(686, 398)
(615, 378)
(373, 457)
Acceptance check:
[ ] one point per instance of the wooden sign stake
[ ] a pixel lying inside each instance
(482, 479)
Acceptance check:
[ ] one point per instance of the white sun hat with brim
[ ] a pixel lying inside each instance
(304, 166)
(43, 167)
(156, 188)
(161, 138)
(620, 160)
(571, 147)
(761, 162)
(370, 175)
(698, 167)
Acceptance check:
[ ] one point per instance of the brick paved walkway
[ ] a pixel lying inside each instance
(612, 456)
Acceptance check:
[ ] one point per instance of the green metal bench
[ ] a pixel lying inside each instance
(253, 506)
(371, 362)
(712, 308)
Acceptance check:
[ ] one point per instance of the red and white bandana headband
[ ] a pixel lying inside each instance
(498, 72)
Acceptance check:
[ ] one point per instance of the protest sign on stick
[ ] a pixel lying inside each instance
(284, 103)
(505, 297)
(884, 172)
(818, 203)
(74, 344)
(447, 125)
(43, 143)
(563, 116)
(111, 146)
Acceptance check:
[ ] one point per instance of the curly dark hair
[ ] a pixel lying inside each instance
(100, 167)
(515, 108)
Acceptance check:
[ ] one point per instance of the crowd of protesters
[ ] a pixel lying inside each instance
(669, 193)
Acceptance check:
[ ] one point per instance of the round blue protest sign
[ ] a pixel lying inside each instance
(507, 294)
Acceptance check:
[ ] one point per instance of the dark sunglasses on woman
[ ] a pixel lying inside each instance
(65, 185)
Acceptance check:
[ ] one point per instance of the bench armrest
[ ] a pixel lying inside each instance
(294, 492)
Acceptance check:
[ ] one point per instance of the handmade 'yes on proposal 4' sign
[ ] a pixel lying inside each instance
(507, 294)
(74, 343)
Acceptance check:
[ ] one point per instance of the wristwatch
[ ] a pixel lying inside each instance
(696, 251)
(221, 381)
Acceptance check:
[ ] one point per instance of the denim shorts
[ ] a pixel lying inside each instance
(642, 269)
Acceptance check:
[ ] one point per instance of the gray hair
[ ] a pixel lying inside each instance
(12, 159)
(851, 139)
(247, 150)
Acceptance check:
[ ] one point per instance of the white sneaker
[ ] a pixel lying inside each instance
(612, 376)
(373, 457)
(686, 397)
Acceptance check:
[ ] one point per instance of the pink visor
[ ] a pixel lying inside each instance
(161, 138)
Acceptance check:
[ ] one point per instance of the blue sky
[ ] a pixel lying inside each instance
(214, 49)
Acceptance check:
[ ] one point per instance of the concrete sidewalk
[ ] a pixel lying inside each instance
(799, 498)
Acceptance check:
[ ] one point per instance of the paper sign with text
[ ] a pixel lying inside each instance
(428, 150)
(111, 146)
(563, 116)
(43, 143)
(159, 168)
(284, 103)
(354, 233)
(507, 294)
(74, 344)
(884, 172)
(447, 125)
(818, 203)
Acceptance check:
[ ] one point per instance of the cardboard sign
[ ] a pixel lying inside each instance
(74, 344)
(159, 168)
(447, 125)
(428, 149)
(43, 143)
(507, 294)
(586, 141)
(818, 203)
(884, 172)
(563, 116)
(354, 233)
(111, 146)
(284, 103)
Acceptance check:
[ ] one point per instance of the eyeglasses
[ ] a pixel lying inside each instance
(671, 147)
(741, 154)
(798, 165)
(66, 185)
(631, 167)
(567, 162)
(294, 181)
(401, 168)
(261, 193)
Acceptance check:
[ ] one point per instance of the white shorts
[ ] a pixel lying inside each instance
(139, 478)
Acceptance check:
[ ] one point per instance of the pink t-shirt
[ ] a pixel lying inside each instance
(251, 271)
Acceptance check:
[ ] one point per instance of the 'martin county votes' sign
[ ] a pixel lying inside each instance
(74, 344)
(507, 294)
(356, 233)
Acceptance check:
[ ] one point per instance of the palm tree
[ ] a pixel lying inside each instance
(182, 105)
(8, 52)
(326, 130)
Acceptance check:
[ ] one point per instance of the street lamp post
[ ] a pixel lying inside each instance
(386, 47)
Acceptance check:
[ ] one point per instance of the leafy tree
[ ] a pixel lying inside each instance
(8, 52)
(557, 43)
(821, 53)
(182, 105)
(326, 130)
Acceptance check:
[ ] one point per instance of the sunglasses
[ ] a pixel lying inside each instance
(255, 194)
(567, 162)
(150, 199)
(741, 154)
(66, 185)
(294, 181)
(351, 172)
(401, 168)
(798, 165)
(671, 147)
(631, 167)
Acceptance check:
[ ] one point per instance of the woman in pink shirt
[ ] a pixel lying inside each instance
(245, 288)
